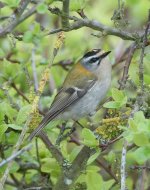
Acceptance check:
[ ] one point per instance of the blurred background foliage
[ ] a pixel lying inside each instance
(27, 47)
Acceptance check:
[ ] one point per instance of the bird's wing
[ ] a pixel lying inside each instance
(64, 98)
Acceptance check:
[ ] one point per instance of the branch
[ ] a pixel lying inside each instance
(107, 169)
(69, 175)
(53, 149)
(141, 67)
(9, 28)
(126, 66)
(65, 14)
(20, 92)
(13, 156)
(22, 6)
(33, 111)
(136, 107)
(35, 78)
(95, 25)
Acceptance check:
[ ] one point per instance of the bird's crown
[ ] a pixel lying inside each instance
(92, 59)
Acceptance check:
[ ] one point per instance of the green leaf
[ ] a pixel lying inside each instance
(23, 114)
(89, 138)
(93, 157)
(147, 79)
(8, 110)
(16, 127)
(141, 139)
(110, 157)
(76, 5)
(133, 125)
(14, 167)
(139, 116)
(11, 3)
(107, 184)
(142, 154)
(117, 95)
(74, 153)
(3, 128)
(94, 181)
(28, 36)
(12, 137)
(1, 115)
(50, 165)
(112, 104)
(42, 8)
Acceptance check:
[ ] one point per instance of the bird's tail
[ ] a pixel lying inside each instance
(49, 117)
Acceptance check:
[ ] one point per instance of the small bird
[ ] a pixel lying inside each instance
(83, 89)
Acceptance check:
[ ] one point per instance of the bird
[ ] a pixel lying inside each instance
(84, 87)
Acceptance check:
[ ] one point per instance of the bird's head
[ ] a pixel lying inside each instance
(93, 59)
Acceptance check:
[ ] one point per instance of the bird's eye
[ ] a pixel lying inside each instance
(94, 59)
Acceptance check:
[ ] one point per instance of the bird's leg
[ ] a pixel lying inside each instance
(63, 136)
(79, 124)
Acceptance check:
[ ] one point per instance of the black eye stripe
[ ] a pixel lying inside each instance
(94, 59)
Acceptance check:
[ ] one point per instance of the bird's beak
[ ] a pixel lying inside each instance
(105, 54)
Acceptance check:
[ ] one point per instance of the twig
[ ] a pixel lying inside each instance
(125, 146)
(11, 183)
(107, 169)
(126, 66)
(123, 166)
(30, 117)
(140, 167)
(14, 179)
(141, 67)
(35, 78)
(9, 28)
(53, 149)
(21, 8)
(135, 109)
(20, 92)
(15, 17)
(93, 24)
(65, 14)
(37, 154)
(12, 157)
(69, 175)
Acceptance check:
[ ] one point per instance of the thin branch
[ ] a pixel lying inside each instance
(35, 78)
(140, 167)
(141, 67)
(126, 66)
(9, 28)
(65, 14)
(69, 175)
(20, 92)
(37, 154)
(13, 156)
(95, 25)
(136, 107)
(107, 169)
(33, 110)
(21, 8)
(53, 149)
(123, 166)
